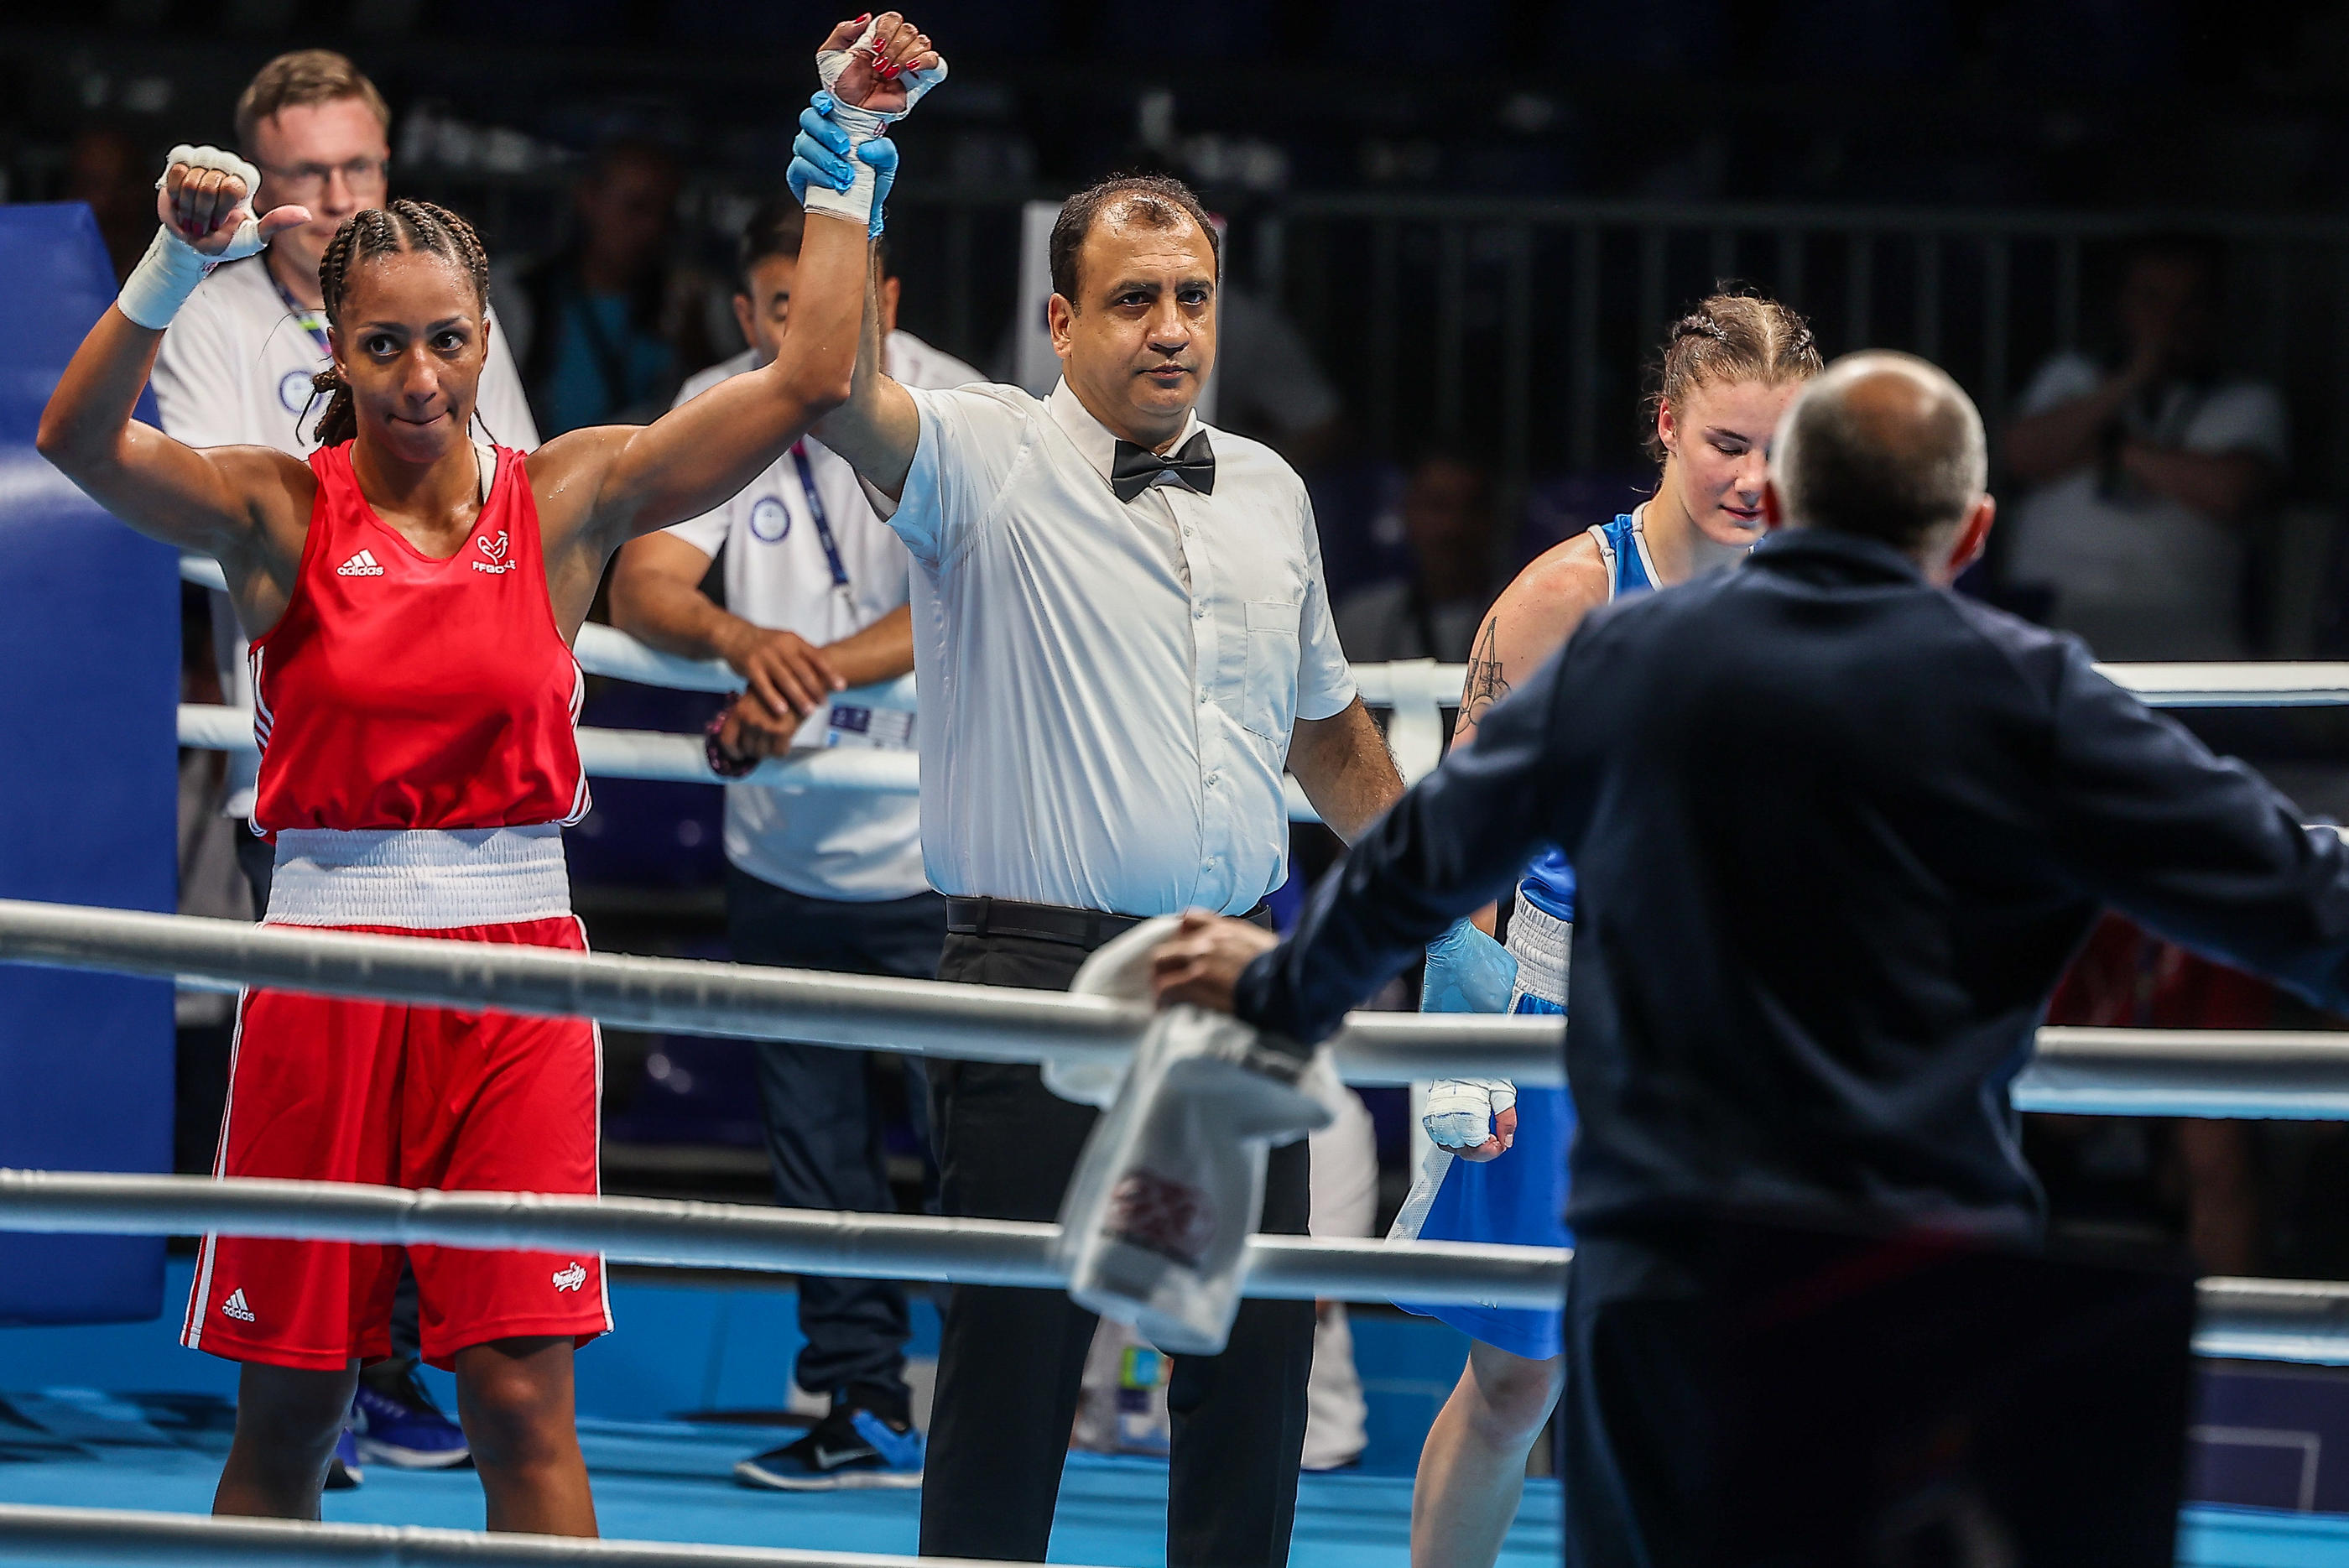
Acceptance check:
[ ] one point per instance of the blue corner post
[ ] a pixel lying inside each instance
(90, 675)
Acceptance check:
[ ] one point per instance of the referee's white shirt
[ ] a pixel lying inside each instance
(234, 370)
(845, 844)
(1107, 689)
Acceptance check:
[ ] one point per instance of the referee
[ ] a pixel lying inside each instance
(1839, 831)
(1122, 634)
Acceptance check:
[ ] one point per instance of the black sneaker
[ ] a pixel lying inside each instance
(848, 1449)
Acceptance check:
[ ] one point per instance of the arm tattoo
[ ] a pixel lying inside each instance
(1485, 685)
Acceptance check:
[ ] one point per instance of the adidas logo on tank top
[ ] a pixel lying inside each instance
(362, 565)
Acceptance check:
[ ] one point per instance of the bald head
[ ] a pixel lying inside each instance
(1883, 445)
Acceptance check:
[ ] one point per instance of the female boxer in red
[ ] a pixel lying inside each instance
(411, 596)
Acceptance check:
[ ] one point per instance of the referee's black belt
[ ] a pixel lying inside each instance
(1087, 929)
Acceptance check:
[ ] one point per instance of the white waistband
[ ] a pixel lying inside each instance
(1542, 945)
(422, 879)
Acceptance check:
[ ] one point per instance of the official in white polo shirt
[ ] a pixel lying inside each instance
(1122, 634)
(815, 600)
(235, 369)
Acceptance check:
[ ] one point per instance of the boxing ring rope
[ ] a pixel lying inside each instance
(2253, 1074)
(633, 754)
(2260, 1319)
(1414, 692)
(2099, 1072)
(605, 650)
(2272, 1319)
(121, 1536)
(682, 759)
(743, 1001)
(679, 1233)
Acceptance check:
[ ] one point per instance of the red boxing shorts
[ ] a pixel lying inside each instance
(327, 1089)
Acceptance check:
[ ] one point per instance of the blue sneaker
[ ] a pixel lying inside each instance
(846, 1449)
(343, 1471)
(403, 1427)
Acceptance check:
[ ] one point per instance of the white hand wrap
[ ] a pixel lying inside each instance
(171, 268)
(863, 125)
(1460, 1111)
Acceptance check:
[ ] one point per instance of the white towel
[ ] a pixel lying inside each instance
(1171, 1183)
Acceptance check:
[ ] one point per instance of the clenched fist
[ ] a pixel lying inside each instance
(205, 199)
(884, 63)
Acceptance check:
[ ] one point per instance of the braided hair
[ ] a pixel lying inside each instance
(1734, 335)
(402, 226)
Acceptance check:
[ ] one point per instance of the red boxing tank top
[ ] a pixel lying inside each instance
(400, 692)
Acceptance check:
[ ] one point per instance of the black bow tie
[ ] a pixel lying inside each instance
(1136, 469)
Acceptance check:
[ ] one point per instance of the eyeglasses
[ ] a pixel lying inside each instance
(301, 178)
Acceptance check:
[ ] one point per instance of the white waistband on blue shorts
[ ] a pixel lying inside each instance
(1542, 945)
(419, 879)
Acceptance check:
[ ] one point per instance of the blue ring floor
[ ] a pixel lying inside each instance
(671, 1481)
(70, 1435)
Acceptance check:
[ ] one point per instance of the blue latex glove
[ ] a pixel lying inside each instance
(882, 153)
(820, 155)
(1467, 971)
(820, 152)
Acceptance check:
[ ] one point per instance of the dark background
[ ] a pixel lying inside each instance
(1480, 214)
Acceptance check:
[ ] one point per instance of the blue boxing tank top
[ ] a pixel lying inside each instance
(1549, 885)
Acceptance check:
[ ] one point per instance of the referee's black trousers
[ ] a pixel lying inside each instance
(1011, 1361)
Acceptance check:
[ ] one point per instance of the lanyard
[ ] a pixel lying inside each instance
(847, 726)
(304, 316)
(822, 523)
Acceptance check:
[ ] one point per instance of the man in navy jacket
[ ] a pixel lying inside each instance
(1838, 832)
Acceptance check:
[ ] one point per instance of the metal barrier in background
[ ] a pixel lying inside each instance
(1533, 319)
(1414, 692)
(1521, 328)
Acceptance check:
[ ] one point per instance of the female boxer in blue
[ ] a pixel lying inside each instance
(1497, 1173)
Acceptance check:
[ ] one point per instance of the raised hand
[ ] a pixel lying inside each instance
(880, 65)
(204, 203)
(204, 206)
